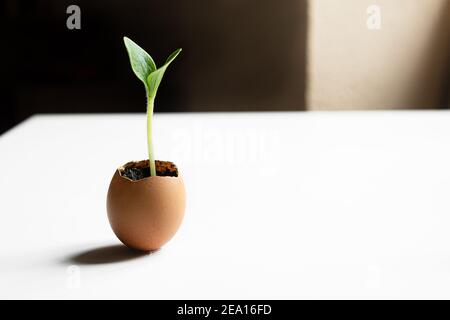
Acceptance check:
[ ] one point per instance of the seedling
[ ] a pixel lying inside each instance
(145, 69)
(145, 211)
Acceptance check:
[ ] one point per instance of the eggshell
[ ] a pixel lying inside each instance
(146, 213)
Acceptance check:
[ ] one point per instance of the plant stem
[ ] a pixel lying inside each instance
(151, 158)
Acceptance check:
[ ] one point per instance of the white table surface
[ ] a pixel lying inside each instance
(280, 205)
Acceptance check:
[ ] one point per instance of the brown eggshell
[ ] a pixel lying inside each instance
(146, 213)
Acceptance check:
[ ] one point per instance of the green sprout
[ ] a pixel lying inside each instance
(145, 69)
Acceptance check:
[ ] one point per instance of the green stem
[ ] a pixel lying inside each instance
(151, 158)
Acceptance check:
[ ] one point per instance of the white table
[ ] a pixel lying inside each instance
(280, 205)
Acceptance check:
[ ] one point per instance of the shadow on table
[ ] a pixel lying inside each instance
(106, 254)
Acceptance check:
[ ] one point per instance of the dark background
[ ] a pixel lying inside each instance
(237, 56)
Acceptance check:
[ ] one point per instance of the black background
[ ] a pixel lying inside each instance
(236, 56)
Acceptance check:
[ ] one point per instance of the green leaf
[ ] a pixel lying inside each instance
(155, 77)
(141, 62)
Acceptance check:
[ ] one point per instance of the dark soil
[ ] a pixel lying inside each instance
(139, 170)
(136, 173)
